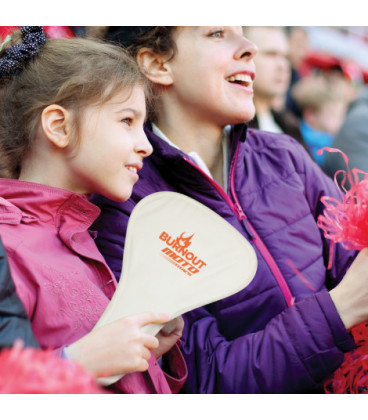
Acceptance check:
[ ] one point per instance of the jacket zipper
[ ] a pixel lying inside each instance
(237, 209)
(259, 243)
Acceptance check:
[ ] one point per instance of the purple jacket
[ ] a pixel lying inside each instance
(276, 335)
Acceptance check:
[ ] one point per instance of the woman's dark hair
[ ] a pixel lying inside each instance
(159, 39)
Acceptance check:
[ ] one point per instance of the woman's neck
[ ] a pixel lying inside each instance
(192, 135)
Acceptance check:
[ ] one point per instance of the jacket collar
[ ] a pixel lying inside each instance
(29, 202)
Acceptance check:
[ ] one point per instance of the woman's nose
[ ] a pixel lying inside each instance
(247, 50)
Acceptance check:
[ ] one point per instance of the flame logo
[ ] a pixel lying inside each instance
(183, 242)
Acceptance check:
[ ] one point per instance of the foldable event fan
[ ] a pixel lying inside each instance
(178, 255)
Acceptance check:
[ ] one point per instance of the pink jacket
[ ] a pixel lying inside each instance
(61, 277)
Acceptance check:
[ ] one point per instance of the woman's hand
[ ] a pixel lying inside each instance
(350, 296)
(119, 347)
(168, 336)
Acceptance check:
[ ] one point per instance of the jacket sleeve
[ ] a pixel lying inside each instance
(317, 185)
(111, 227)
(285, 357)
(14, 323)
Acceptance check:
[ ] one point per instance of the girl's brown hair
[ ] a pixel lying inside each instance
(72, 73)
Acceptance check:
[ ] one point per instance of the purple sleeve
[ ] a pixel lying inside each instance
(297, 350)
(318, 185)
(111, 227)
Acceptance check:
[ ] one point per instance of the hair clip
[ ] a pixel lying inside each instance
(17, 55)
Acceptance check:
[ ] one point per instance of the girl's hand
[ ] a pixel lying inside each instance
(119, 347)
(168, 336)
(350, 296)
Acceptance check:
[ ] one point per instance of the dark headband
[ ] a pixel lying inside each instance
(16, 56)
(126, 35)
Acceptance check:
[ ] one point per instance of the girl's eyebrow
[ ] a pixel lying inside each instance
(135, 111)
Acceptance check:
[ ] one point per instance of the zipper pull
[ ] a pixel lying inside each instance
(239, 211)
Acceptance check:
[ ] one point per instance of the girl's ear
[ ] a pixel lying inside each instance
(55, 123)
(155, 67)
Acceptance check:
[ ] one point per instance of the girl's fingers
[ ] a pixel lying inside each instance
(151, 318)
(150, 342)
(146, 354)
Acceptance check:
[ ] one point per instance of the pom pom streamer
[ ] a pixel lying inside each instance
(352, 375)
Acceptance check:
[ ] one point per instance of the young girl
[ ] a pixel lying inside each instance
(72, 114)
(280, 334)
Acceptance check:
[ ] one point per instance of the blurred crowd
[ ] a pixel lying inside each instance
(308, 88)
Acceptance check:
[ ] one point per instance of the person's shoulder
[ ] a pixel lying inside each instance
(276, 150)
(264, 140)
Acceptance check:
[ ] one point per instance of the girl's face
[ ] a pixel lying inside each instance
(213, 73)
(112, 147)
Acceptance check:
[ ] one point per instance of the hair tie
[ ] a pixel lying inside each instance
(16, 56)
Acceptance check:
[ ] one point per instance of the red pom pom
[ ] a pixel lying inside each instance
(346, 221)
(35, 371)
(352, 376)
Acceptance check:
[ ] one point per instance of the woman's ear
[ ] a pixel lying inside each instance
(155, 67)
(55, 123)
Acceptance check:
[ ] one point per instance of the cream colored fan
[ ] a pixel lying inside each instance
(179, 255)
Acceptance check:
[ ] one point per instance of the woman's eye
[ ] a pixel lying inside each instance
(218, 33)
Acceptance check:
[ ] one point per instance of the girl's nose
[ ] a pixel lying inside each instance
(143, 146)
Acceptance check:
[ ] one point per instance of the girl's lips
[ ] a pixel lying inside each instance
(133, 169)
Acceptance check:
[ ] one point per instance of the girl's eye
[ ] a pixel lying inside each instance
(127, 121)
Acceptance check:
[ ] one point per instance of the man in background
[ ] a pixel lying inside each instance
(273, 72)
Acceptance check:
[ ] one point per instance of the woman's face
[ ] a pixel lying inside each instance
(213, 72)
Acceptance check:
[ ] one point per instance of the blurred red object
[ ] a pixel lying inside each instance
(50, 31)
(35, 371)
(352, 375)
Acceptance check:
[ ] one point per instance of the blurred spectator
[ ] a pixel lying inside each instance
(272, 81)
(352, 139)
(98, 32)
(323, 105)
(299, 46)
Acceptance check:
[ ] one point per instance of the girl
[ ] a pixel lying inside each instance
(280, 334)
(72, 114)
